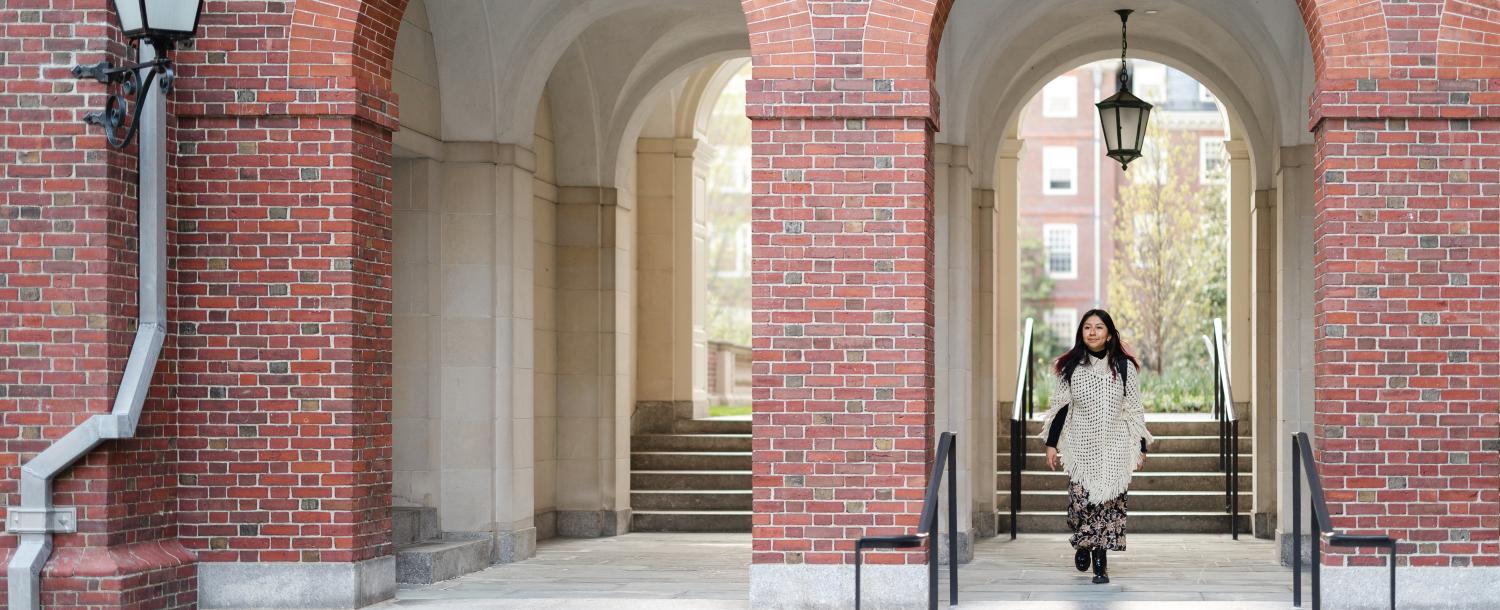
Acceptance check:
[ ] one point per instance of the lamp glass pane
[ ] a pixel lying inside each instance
(173, 15)
(1109, 119)
(1130, 125)
(130, 15)
(1140, 134)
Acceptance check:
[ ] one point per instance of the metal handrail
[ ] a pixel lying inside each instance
(1024, 371)
(1303, 467)
(1229, 430)
(927, 527)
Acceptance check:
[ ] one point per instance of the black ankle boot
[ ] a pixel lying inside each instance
(1101, 567)
(1081, 560)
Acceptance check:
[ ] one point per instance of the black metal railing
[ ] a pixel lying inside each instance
(1021, 410)
(1304, 468)
(927, 527)
(1229, 430)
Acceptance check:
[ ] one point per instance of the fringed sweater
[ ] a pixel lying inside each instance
(1104, 431)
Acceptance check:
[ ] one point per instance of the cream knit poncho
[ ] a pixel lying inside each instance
(1100, 442)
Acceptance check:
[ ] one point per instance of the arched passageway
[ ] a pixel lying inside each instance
(406, 272)
(550, 289)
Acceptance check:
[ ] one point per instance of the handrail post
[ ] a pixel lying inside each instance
(1030, 385)
(1022, 409)
(952, 524)
(1317, 562)
(932, 562)
(1234, 462)
(1017, 459)
(1296, 523)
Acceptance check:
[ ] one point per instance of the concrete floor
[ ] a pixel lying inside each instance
(708, 572)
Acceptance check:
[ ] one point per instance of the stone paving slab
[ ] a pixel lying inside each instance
(709, 572)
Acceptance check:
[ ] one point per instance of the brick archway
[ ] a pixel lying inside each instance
(1373, 95)
(1468, 43)
(1349, 39)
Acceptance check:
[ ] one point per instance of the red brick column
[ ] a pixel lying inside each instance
(843, 294)
(265, 443)
(68, 272)
(1407, 310)
(283, 305)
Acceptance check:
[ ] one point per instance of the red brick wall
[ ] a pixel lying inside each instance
(843, 115)
(67, 307)
(1408, 277)
(267, 434)
(282, 282)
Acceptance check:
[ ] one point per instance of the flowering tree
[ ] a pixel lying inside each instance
(1168, 271)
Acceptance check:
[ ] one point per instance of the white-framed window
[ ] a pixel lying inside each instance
(1061, 241)
(1064, 323)
(1060, 170)
(1213, 163)
(1060, 98)
(1204, 95)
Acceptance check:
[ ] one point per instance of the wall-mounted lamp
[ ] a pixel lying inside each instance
(159, 23)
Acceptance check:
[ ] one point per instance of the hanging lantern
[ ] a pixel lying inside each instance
(1123, 116)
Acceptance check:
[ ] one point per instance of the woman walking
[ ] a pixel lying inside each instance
(1096, 428)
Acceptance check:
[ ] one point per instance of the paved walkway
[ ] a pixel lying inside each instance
(708, 572)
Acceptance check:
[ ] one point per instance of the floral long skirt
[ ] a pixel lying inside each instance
(1095, 526)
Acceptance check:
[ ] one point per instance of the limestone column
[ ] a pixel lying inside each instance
(953, 351)
(984, 378)
(672, 354)
(1263, 370)
(1007, 236)
(1294, 324)
(485, 436)
(1241, 293)
(416, 384)
(593, 349)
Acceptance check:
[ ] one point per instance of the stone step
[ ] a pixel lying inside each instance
(690, 460)
(1155, 462)
(1056, 522)
(413, 524)
(1205, 427)
(712, 426)
(690, 442)
(1163, 444)
(1139, 501)
(438, 560)
(1043, 480)
(691, 500)
(657, 480)
(689, 521)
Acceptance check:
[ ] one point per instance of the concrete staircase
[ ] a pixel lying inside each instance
(696, 478)
(425, 555)
(1181, 489)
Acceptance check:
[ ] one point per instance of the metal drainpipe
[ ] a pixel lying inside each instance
(36, 519)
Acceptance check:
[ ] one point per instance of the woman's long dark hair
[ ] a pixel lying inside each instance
(1117, 355)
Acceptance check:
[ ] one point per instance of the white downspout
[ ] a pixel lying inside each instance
(36, 519)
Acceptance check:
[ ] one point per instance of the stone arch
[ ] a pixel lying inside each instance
(992, 127)
(1349, 39)
(1468, 43)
